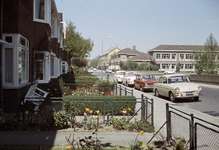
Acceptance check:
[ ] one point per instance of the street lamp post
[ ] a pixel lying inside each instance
(102, 56)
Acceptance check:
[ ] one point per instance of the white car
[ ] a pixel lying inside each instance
(128, 78)
(118, 75)
(169, 72)
(108, 71)
(94, 69)
(90, 70)
(177, 86)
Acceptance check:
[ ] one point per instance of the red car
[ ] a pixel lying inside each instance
(144, 82)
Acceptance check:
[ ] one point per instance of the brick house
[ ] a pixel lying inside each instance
(34, 52)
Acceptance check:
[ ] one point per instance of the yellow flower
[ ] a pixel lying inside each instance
(35, 113)
(38, 109)
(124, 109)
(68, 147)
(96, 117)
(91, 111)
(141, 133)
(77, 94)
(87, 109)
(129, 109)
(27, 112)
(98, 112)
(93, 116)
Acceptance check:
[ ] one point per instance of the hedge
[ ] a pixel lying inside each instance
(125, 103)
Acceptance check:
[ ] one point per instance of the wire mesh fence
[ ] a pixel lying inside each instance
(198, 133)
(123, 90)
(180, 127)
(206, 138)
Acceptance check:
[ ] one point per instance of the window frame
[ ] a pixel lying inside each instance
(47, 8)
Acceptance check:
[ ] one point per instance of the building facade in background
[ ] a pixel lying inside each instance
(168, 56)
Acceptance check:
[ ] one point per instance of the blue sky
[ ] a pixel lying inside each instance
(144, 23)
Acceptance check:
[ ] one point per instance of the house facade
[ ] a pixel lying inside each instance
(168, 56)
(34, 52)
(106, 58)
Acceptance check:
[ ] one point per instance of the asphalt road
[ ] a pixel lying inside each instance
(208, 103)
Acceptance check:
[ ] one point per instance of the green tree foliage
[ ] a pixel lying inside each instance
(178, 67)
(206, 58)
(129, 65)
(94, 62)
(77, 46)
(144, 66)
(113, 59)
(79, 62)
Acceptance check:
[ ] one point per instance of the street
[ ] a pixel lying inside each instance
(208, 103)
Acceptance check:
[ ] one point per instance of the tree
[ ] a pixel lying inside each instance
(113, 59)
(206, 58)
(178, 67)
(94, 62)
(77, 46)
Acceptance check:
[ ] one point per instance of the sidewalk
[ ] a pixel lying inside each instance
(57, 138)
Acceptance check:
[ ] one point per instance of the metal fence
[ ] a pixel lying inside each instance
(108, 107)
(123, 90)
(198, 133)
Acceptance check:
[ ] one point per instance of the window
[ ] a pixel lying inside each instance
(157, 56)
(42, 10)
(188, 66)
(8, 39)
(39, 70)
(53, 27)
(164, 80)
(22, 41)
(52, 66)
(160, 80)
(22, 65)
(173, 66)
(8, 65)
(165, 56)
(189, 56)
(181, 66)
(123, 59)
(181, 56)
(165, 66)
(174, 56)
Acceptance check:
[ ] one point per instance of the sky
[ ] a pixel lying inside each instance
(143, 23)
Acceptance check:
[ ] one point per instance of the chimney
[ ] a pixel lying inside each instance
(134, 47)
(60, 17)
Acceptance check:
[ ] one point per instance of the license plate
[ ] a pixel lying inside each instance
(189, 93)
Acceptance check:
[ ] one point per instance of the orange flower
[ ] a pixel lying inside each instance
(87, 85)
(57, 93)
(102, 90)
(75, 91)
(80, 88)
(84, 84)
(51, 94)
(91, 86)
(108, 93)
(92, 89)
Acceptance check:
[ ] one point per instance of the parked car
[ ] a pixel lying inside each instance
(169, 72)
(90, 70)
(118, 75)
(94, 69)
(128, 78)
(177, 86)
(144, 82)
(108, 71)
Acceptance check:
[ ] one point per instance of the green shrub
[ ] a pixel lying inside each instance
(100, 104)
(8, 122)
(61, 119)
(119, 124)
(140, 126)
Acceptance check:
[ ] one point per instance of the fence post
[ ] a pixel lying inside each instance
(116, 90)
(132, 92)
(168, 122)
(125, 91)
(142, 108)
(108, 111)
(192, 133)
(152, 112)
(120, 90)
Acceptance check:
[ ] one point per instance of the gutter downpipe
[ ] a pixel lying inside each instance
(1, 26)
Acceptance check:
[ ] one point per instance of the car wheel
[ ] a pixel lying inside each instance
(196, 98)
(172, 98)
(141, 89)
(156, 93)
